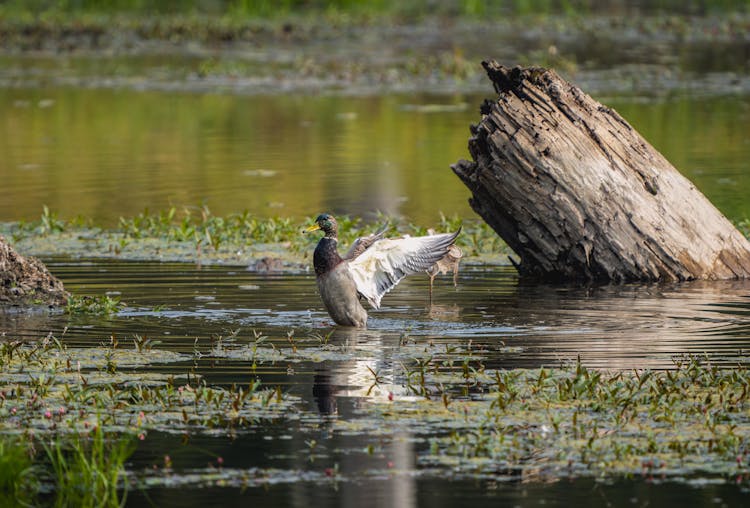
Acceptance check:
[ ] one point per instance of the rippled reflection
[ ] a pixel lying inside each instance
(626, 326)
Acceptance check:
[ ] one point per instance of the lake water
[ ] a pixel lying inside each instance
(512, 325)
(105, 152)
(610, 327)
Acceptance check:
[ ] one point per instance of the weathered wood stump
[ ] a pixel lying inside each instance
(578, 194)
(26, 281)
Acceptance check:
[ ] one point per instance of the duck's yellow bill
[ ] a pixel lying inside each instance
(314, 227)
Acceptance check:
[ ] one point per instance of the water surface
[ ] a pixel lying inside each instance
(105, 137)
(617, 327)
(106, 153)
(506, 323)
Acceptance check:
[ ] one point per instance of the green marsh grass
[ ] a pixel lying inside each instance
(50, 388)
(744, 227)
(414, 9)
(89, 470)
(18, 473)
(86, 470)
(560, 422)
(575, 421)
(195, 234)
(70, 418)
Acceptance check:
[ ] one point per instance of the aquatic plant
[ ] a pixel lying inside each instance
(143, 344)
(198, 224)
(346, 9)
(98, 305)
(466, 417)
(744, 227)
(89, 469)
(86, 469)
(90, 389)
(567, 421)
(19, 481)
(195, 234)
(575, 421)
(238, 238)
(87, 408)
(49, 223)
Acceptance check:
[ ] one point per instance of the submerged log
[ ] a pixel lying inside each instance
(26, 281)
(578, 194)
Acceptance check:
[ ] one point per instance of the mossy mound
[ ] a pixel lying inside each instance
(26, 281)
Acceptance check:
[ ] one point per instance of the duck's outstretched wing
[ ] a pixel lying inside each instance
(378, 269)
(363, 243)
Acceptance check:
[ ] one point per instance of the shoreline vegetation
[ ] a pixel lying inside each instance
(195, 235)
(355, 9)
(38, 25)
(644, 48)
(385, 46)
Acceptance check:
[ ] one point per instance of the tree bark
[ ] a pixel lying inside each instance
(26, 281)
(578, 194)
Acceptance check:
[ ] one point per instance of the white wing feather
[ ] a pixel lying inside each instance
(377, 270)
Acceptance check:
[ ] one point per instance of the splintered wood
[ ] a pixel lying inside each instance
(578, 194)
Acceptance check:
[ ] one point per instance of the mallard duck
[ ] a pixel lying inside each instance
(372, 267)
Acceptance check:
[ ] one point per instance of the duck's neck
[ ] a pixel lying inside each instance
(326, 255)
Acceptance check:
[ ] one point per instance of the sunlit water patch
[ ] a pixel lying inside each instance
(75, 149)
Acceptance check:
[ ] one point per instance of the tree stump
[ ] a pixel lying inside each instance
(578, 194)
(26, 281)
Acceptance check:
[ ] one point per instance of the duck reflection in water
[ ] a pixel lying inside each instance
(324, 392)
(364, 377)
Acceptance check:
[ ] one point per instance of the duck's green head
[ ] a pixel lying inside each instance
(326, 222)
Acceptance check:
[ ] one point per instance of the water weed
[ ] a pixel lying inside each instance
(19, 481)
(340, 11)
(48, 387)
(103, 305)
(576, 421)
(561, 422)
(744, 227)
(89, 470)
(195, 234)
(567, 421)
